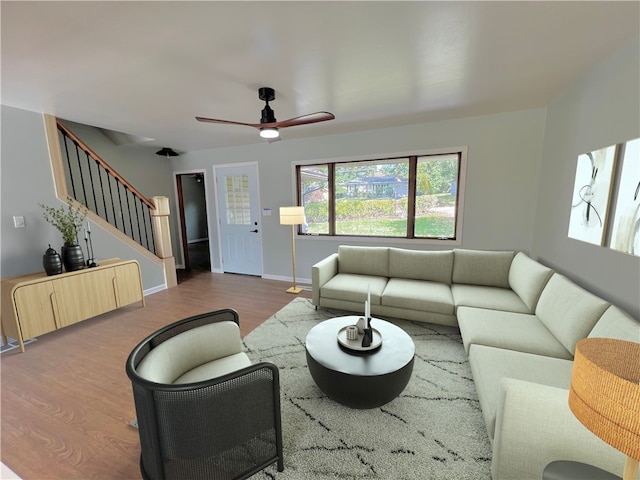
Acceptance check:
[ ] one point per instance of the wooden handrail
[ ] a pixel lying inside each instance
(105, 165)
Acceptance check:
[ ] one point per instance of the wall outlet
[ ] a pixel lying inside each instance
(18, 221)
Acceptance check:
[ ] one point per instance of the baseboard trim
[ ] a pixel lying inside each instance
(152, 290)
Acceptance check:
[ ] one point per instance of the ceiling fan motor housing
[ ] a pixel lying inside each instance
(266, 94)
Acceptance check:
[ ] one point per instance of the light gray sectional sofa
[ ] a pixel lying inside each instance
(519, 321)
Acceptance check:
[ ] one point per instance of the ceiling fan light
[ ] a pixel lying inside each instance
(269, 132)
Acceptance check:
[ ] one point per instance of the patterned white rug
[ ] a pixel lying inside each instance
(433, 430)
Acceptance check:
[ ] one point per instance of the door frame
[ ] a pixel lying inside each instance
(181, 231)
(218, 213)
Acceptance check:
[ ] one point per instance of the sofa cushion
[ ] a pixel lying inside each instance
(174, 357)
(354, 288)
(363, 260)
(513, 331)
(568, 311)
(494, 298)
(490, 365)
(479, 267)
(418, 295)
(528, 278)
(421, 265)
(616, 323)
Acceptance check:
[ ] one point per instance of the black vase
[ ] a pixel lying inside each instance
(52, 262)
(72, 257)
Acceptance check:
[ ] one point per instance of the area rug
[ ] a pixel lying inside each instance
(433, 430)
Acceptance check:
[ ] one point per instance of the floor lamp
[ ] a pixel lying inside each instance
(292, 216)
(605, 394)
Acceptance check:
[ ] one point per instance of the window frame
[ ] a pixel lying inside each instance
(331, 162)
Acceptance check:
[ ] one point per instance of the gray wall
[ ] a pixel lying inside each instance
(600, 109)
(27, 180)
(502, 181)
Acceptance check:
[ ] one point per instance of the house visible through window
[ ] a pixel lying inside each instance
(414, 196)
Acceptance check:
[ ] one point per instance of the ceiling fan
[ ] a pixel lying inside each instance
(269, 126)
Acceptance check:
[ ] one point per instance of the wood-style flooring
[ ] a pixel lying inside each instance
(67, 402)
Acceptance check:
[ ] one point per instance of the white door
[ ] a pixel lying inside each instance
(239, 219)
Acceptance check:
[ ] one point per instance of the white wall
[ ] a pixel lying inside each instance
(502, 180)
(600, 109)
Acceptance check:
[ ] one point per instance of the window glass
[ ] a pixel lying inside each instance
(314, 193)
(371, 198)
(436, 196)
(238, 205)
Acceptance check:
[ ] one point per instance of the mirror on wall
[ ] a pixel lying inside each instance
(605, 206)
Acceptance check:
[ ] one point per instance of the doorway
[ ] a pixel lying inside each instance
(192, 218)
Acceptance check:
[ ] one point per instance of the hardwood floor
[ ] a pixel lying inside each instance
(67, 401)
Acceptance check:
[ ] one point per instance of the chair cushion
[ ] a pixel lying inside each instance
(180, 354)
(528, 278)
(569, 311)
(421, 265)
(363, 260)
(215, 368)
(354, 288)
(494, 298)
(418, 295)
(480, 267)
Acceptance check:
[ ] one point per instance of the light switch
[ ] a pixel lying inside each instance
(18, 221)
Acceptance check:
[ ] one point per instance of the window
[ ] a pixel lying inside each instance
(238, 208)
(412, 196)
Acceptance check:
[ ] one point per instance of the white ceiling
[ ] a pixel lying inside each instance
(148, 68)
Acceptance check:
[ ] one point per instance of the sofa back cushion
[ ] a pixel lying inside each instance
(528, 278)
(482, 267)
(363, 260)
(421, 265)
(568, 311)
(616, 323)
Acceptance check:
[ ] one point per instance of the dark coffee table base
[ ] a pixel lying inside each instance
(356, 391)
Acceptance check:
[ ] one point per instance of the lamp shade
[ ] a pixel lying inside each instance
(291, 215)
(605, 391)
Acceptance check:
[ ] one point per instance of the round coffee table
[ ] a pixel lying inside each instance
(358, 379)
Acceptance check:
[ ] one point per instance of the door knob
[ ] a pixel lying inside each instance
(254, 231)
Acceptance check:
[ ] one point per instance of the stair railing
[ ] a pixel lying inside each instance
(95, 184)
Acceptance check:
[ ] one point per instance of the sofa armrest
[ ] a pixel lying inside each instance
(321, 273)
(535, 426)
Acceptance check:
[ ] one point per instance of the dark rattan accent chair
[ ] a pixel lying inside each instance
(203, 411)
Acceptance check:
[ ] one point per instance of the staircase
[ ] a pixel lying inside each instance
(113, 203)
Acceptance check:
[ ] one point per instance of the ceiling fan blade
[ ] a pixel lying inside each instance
(305, 119)
(229, 122)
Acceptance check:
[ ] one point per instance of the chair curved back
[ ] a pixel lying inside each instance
(223, 428)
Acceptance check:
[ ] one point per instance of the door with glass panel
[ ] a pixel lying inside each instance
(239, 215)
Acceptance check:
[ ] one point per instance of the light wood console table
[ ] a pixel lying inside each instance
(36, 304)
